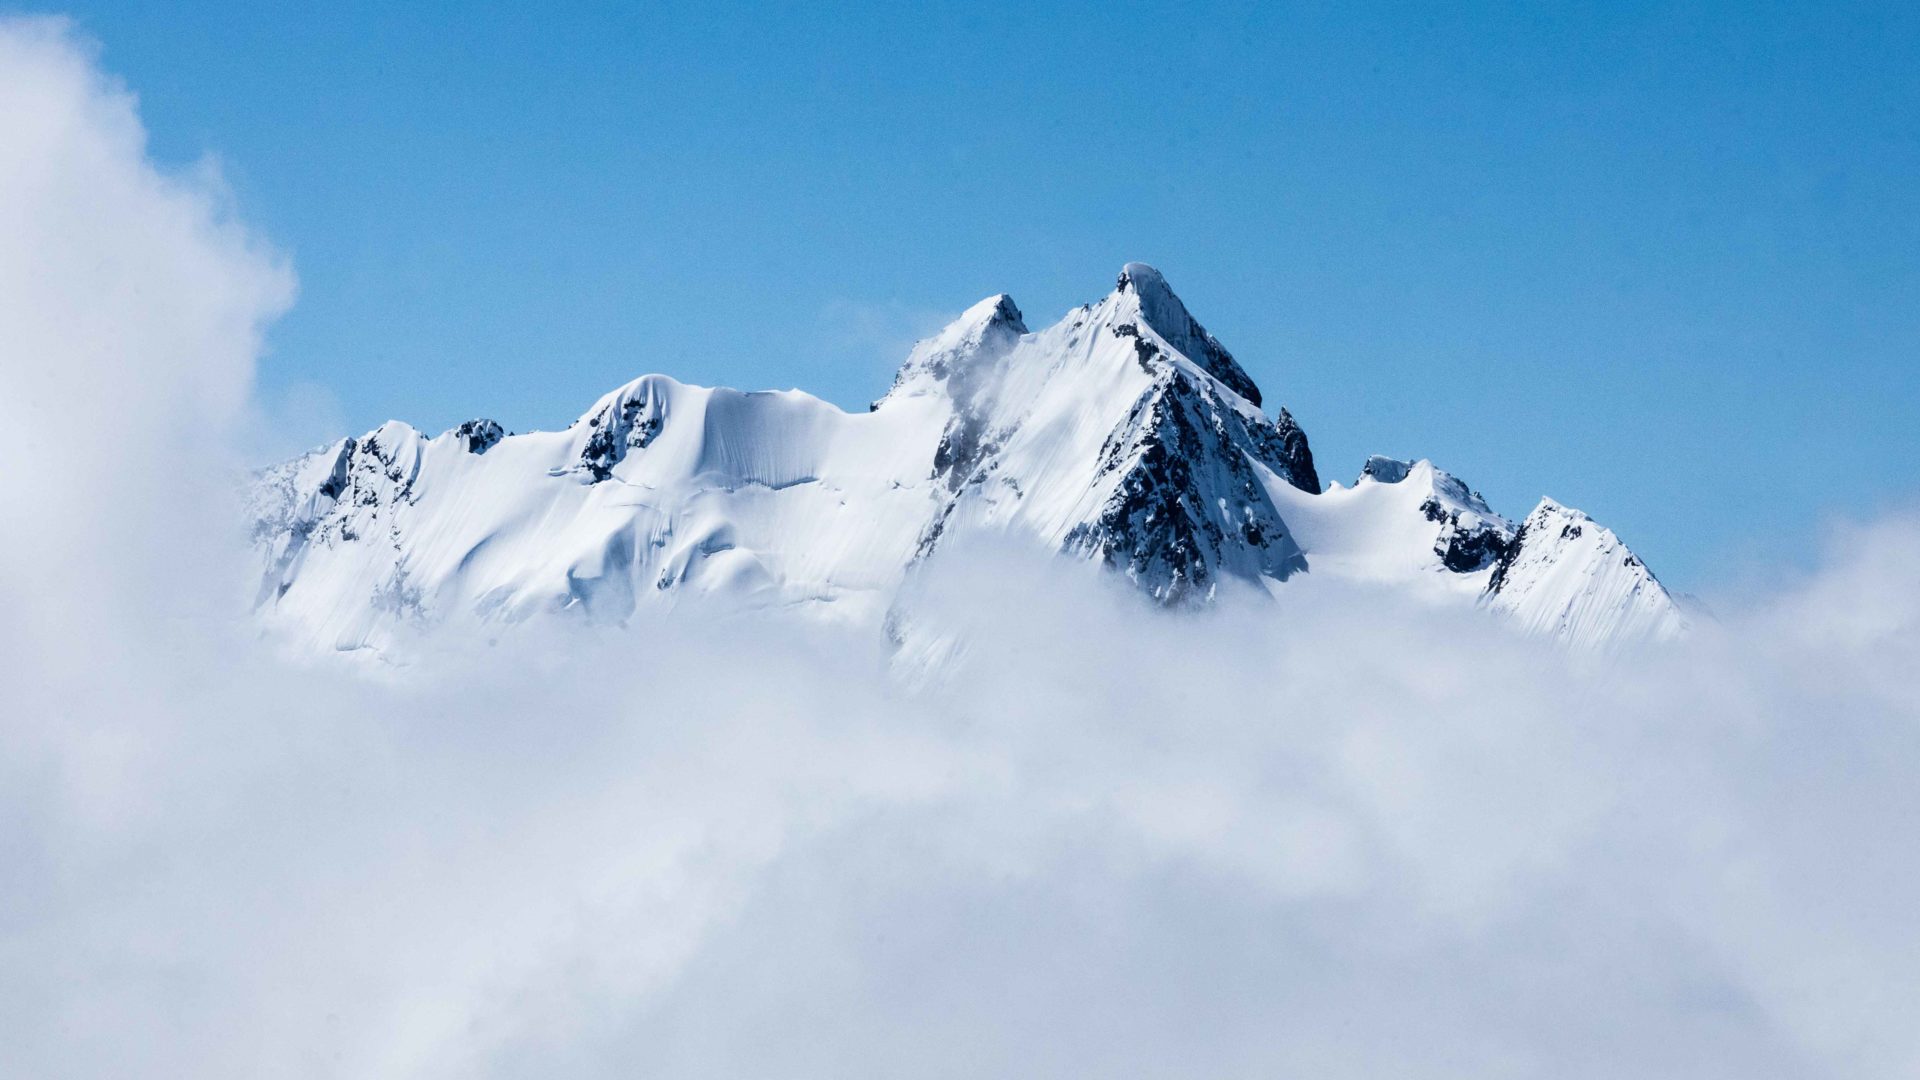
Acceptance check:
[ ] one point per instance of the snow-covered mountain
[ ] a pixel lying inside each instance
(1124, 434)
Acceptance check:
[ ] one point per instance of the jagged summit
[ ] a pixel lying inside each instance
(1143, 290)
(1104, 436)
(1123, 434)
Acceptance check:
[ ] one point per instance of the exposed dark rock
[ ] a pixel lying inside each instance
(1188, 505)
(631, 423)
(478, 436)
(1294, 452)
(1504, 563)
(1467, 551)
(1385, 470)
(336, 481)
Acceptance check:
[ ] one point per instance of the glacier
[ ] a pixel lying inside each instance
(1124, 436)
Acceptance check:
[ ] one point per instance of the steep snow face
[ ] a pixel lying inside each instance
(1565, 575)
(1125, 435)
(962, 368)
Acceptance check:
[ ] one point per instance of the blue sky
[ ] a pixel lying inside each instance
(1659, 261)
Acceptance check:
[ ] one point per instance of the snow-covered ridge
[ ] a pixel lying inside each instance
(1566, 575)
(1123, 434)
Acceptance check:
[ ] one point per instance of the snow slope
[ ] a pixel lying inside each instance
(1565, 575)
(1125, 434)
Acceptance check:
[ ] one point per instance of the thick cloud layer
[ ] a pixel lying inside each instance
(1360, 840)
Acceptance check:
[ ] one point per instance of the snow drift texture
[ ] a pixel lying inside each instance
(1377, 838)
(1125, 434)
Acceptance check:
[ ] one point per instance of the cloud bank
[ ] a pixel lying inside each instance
(1362, 839)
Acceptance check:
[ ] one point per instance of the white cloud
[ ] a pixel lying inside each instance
(1358, 840)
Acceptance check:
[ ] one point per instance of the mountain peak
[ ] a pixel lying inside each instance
(1567, 575)
(987, 329)
(1155, 300)
(996, 312)
(1144, 279)
(1145, 290)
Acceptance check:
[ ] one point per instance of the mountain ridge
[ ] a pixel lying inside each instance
(1123, 434)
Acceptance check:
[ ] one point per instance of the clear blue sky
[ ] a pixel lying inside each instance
(1660, 261)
